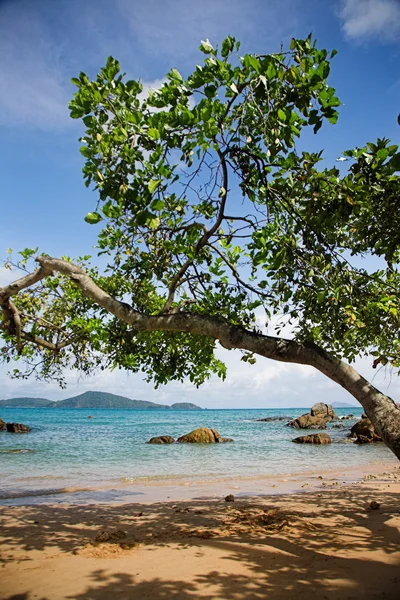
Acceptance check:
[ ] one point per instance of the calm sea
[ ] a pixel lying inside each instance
(67, 449)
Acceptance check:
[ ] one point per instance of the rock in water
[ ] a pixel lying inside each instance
(162, 439)
(17, 428)
(364, 432)
(230, 498)
(308, 421)
(2, 425)
(324, 411)
(225, 440)
(314, 438)
(268, 419)
(203, 435)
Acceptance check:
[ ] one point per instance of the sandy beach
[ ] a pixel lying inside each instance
(327, 543)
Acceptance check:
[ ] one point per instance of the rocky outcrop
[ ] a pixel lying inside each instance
(161, 439)
(308, 421)
(17, 428)
(2, 425)
(314, 438)
(202, 435)
(364, 432)
(317, 418)
(324, 411)
(224, 440)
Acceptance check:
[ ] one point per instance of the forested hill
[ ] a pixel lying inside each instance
(26, 403)
(105, 400)
(93, 400)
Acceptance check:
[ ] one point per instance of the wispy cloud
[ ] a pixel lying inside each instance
(363, 19)
(32, 91)
(6, 276)
(174, 30)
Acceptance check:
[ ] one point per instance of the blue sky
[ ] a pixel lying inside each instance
(43, 199)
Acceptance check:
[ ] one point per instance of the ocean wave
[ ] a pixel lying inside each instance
(10, 495)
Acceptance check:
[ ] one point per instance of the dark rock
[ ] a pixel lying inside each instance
(268, 419)
(374, 505)
(308, 421)
(162, 439)
(324, 411)
(230, 498)
(202, 435)
(338, 426)
(17, 428)
(225, 440)
(2, 425)
(364, 432)
(314, 438)
(346, 417)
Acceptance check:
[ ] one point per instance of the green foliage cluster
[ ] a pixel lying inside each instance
(207, 206)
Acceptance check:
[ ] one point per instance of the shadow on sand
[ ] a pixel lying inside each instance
(261, 549)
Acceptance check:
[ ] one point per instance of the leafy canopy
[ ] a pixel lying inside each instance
(208, 206)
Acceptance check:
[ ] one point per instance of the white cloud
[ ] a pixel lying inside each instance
(175, 28)
(6, 276)
(364, 19)
(32, 90)
(43, 44)
(265, 384)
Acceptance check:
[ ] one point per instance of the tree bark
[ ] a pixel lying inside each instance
(381, 409)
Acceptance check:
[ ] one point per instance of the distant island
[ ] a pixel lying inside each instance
(94, 400)
(344, 405)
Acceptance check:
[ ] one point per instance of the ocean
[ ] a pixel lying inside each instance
(70, 457)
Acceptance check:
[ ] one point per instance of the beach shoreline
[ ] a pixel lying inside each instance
(325, 540)
(162, 489)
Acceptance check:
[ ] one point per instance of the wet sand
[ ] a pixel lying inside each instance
(327, 543)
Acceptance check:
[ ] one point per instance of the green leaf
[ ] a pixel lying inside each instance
(93, 218)
(253, 62)
(153, 133)
(157, 204)
(153, 223)
(281, 115)
(206, 47)
(333, 53)
(227, 46)
(153, 185)
(174, 73)
(333, 119)
(210, 91)
(394, 162)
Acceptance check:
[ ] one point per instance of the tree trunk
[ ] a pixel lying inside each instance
(381, 409)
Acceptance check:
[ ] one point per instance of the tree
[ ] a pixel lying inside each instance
(211, 212)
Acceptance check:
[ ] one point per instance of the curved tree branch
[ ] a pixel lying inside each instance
(381, 409)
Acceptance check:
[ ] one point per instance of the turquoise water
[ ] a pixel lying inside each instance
(70, 450)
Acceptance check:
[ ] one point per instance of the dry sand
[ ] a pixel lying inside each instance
(325, 544)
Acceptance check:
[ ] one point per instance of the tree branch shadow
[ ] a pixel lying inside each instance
(278, 553)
